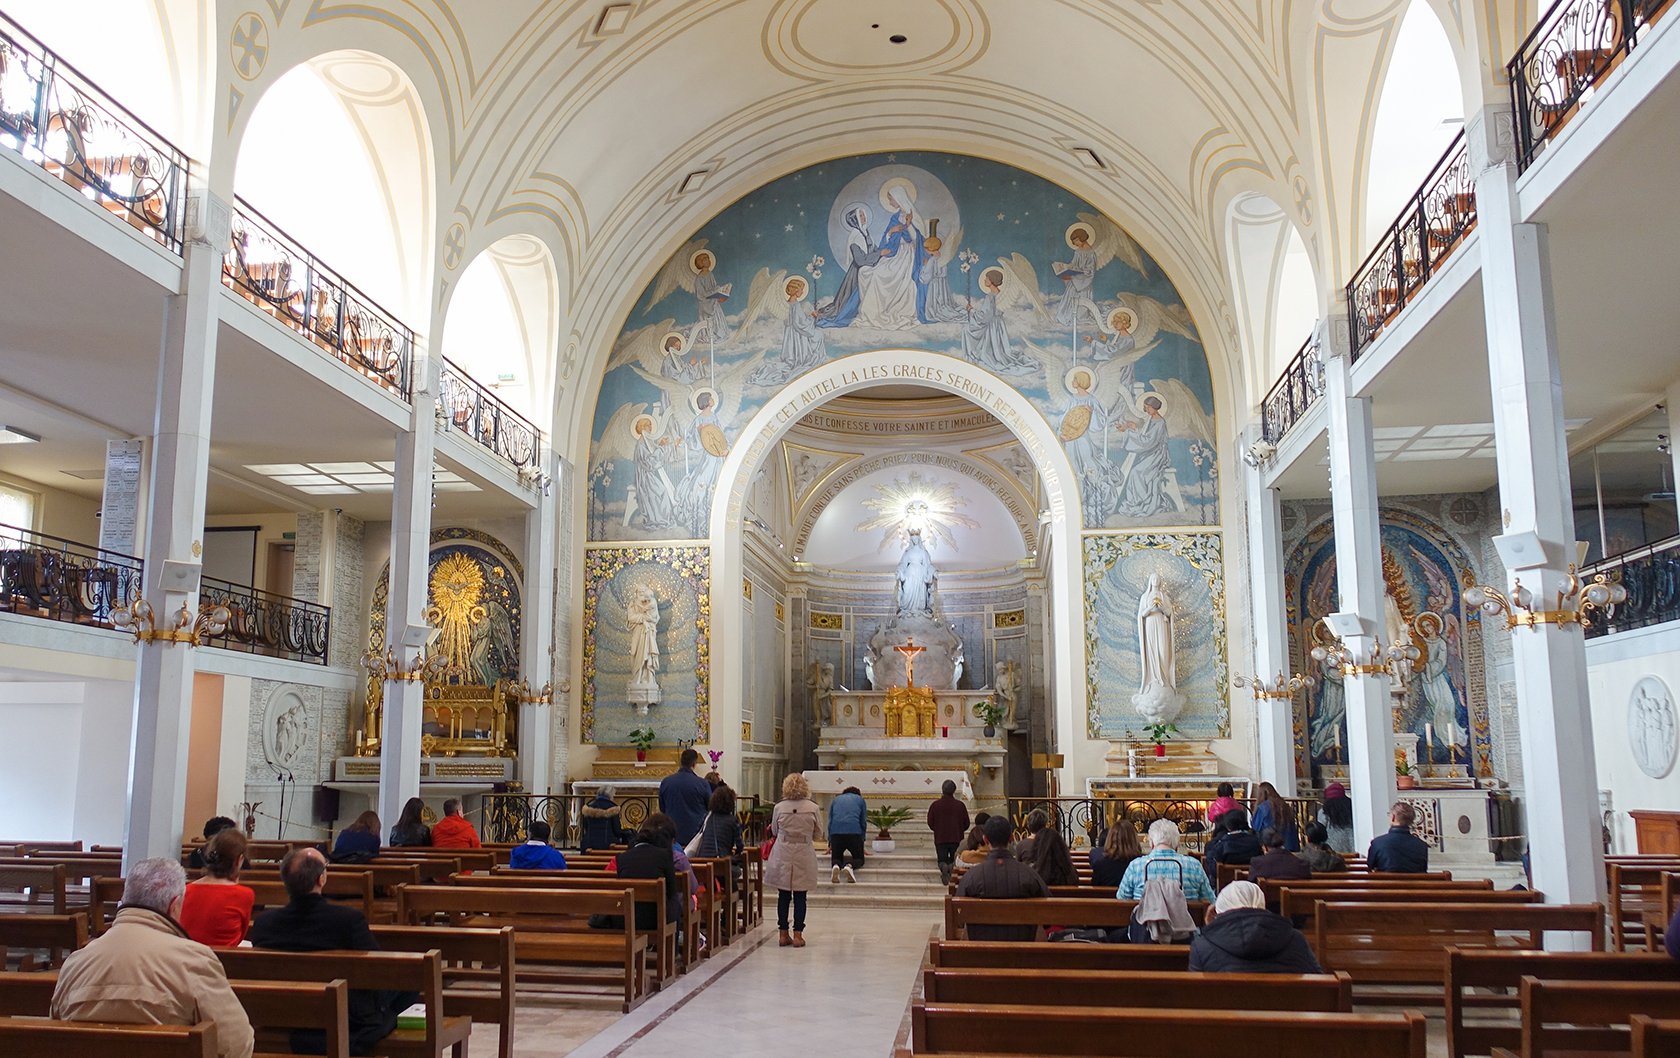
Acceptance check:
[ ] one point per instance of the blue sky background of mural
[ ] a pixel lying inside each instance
(608, 718)
(750, 303)
(1425, 569)
(1192, 572)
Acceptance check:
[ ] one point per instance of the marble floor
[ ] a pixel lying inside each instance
(845, 992)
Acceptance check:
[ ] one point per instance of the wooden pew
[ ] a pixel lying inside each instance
(1571, 1017)
(471, 859)
(473, 958)
(1633, 889)
(962, 912)
(372, 970)
(29, 848)
(1301, 905)
(1043, 955)
(1405, 943)
(1658, 915)
(623, 950)
(32, 888)
(54, 934)
(1653, 1038)
(950, 1028)
(1331, 993)
(40, 1038)
(648, 891)
(1483, 979)
(345, 887)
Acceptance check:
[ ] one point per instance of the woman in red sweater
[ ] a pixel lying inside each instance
(216, 909)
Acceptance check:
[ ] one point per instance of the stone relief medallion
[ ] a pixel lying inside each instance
(285, 727)
(1651, 726)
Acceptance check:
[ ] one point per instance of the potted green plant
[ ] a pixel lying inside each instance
(990, 714)
(1158, 734)
(883, 820)
(1404, 779)
(642, 739)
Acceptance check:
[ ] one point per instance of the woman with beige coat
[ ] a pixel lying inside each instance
(792, 870)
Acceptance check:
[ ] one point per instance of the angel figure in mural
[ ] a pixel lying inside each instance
(1435, 684)
(640, 434)
(938, 306)
(819, 684)
(1077, 276)
(1158, 699)
(642, 616)
(985, 334)
(1168, 409)
(802, 342)
(1084, 432)
(890, 291)
(705, 447)
(694, 269)
(861, 253)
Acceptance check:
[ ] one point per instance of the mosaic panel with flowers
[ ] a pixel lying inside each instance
(680, 578)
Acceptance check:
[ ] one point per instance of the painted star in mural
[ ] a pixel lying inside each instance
(787, 227)
(916, 503)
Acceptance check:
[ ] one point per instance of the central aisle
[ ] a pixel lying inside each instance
(843, 993)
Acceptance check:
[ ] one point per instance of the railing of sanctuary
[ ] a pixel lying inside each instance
(47, 576)
(1573, 47)
(1652, 577)
(1296, 390)
(485, 417)
(275, 272)
(1433, 224)
(56, 118)
(508, 816)
(1084, 820)
(262, 622)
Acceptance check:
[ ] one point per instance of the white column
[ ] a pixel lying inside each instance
(1359, 584)
(405, 606)
(537, 637)
(157, 768)
(1560, 797)
(1274, 718)
(1673, 405)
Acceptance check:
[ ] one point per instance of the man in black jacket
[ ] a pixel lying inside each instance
(1000, 876)
(1399, 851)
(311, 922)
(1235, 843)
(1276, 861)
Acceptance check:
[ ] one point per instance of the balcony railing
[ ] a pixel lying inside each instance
(1430, 228)
(486, 418)
(508, 816)
(1575, 46)
(276, 273)
(58, 119)
(1300, 385)
(1652, 578)
(46, 576)
(275, 626)
(1084, 820)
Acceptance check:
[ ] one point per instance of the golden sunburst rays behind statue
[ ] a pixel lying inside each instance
(457, 594)
(916, 504)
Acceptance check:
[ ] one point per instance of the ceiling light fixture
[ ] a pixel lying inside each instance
(16, 435)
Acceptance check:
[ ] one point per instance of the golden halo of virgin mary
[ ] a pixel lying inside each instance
(899, 189)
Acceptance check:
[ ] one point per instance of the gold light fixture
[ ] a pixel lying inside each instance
(1575, 601)
(1330, 649)
(140, 618)
(522, 690)
(388, 666)
(1279, 689)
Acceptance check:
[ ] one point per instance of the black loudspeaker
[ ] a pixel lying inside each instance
(326, 804)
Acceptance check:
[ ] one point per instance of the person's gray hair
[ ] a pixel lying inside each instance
(154, 884)
(1163, 833)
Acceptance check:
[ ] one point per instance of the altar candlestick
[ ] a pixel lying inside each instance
(1429, 743)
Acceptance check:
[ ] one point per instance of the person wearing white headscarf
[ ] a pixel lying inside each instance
(1241, 936)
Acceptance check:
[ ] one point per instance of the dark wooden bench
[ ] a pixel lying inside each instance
(1654, 1038)
(649, 892)
(962, 912)
(1576, 1017)
(478, 971)
(28, 848)
(41, 1038)
(471, 859)
(1633, 889)
(1042, 955)
(1405, 943)
(55, 935)
(1480, 979)
(372, 970)
(544, 922)
(343, 887)
(953, 1028)
(1301, 904)
(37, 888)
(1331, 993)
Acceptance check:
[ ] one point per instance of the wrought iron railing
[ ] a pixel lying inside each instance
(1573, 47)
(1301, 383)
(508, 816)
(58, 119)
(262, 622)
(1433, 224)
(1652, 577)
(48, 576)
(275, 272)
(485, 417)
(1084, 820)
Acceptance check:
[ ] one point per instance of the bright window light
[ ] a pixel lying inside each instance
(17, 507)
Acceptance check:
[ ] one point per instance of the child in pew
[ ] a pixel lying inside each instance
(537, 854)
(1240, 936)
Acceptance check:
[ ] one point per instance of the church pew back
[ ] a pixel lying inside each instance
(1301, 904)
(471, 859)
(35, 888)
(1633, 889)
(55, 935)
(478, 971)
(1111, 988)
(1575, 1016)
(648, 891)
(1482, 979)
(1654, 1037)
(962, 912)
(941, 1028)
(40, 1038)
(1041, 955)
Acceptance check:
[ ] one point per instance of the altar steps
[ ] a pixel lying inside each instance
(906, 879)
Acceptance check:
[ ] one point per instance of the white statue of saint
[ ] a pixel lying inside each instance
(915, 582)
(819, 681)
(1006, 684)
(642, 616)
(1157, 699)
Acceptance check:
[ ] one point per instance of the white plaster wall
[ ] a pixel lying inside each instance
(1614, 664)
(66, 776)
(102, 782)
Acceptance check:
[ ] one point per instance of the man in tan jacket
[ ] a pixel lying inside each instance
(145, 971)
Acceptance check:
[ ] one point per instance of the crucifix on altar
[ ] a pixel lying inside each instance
(909, 649)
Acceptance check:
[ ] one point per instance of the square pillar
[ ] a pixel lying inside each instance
(536, 640)
(1274, 718)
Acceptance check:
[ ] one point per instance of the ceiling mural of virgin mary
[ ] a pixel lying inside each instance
(938, 252)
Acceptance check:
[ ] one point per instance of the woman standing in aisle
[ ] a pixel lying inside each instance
(795, 824)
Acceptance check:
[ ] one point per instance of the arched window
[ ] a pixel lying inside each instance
(1419, 112)
(503, 324)
(1275, 288)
